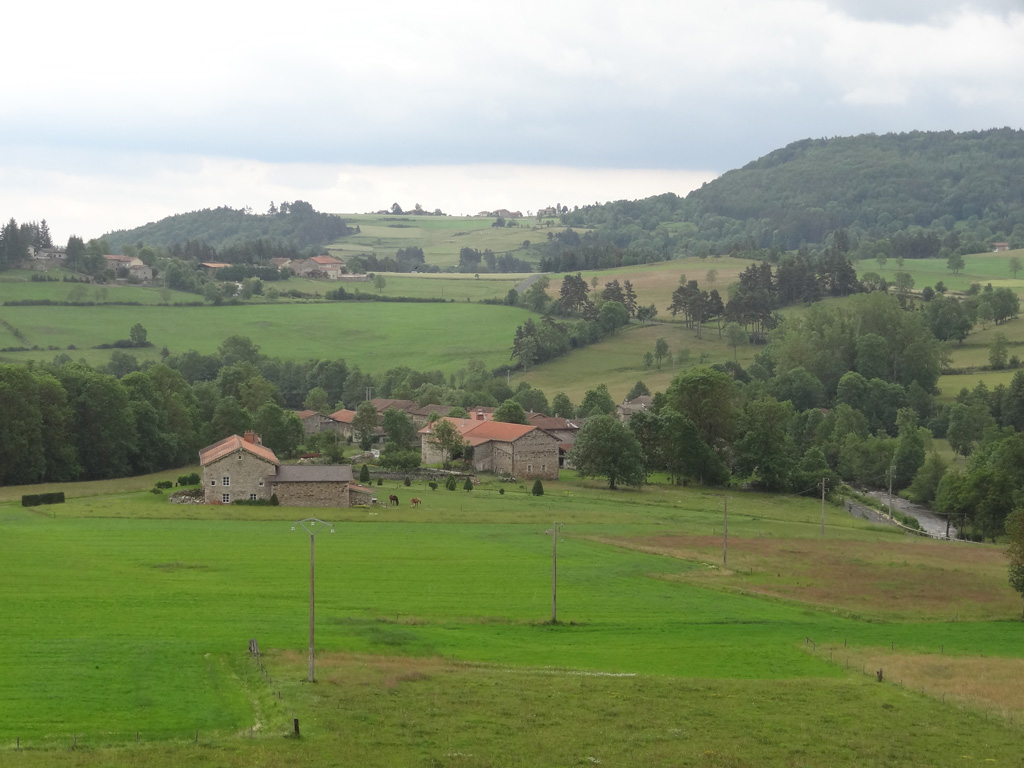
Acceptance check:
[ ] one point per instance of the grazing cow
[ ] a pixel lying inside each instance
(393, 500)
(415, 502)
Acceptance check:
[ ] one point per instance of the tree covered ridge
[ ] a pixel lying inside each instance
(970, 185)
(297, 224)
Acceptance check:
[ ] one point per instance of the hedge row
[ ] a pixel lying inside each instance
(35, 499)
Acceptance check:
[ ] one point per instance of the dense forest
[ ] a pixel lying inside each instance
(221, 230)
(911, 195)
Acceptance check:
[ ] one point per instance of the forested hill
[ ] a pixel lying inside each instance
(970, 184)
(296, 224)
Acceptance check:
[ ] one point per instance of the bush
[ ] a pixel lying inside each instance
(407, 482)
(157, 491)
(433, 485)
(164, 484)
(450, 483)
(501, 491)
(468, 485)
(364, 474)
(192, 479)
(273, 500)
(380, 481)
(36, 499)
(538, 488)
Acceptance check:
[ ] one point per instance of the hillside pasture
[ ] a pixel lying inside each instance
(375, 336)
(428, 285)
(17, 285)
(980, 268)
(618, 361)
(440, 237)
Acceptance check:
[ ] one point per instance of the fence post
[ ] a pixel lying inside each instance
(295, 722)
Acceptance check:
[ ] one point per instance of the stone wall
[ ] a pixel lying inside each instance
(311, 494)
(244, 471)
(535, 454)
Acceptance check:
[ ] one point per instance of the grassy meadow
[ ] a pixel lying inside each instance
(127, 617)
(374, 336)
(440, 237)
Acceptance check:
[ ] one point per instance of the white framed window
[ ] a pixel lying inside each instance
(225, 498)
(252, 497)
(261, 482)
(225, 480)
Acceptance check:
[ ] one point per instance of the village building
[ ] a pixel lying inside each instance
(242, 468)
(517, 450)
(628, 407)
(314, 422)
(125, 267)
(563, 430)
(319, 267)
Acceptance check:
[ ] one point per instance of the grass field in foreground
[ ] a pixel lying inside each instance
(121, 617)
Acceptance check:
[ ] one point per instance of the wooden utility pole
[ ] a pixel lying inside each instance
(823, 507)
(555, 528)
(725, 531)
(309, 526)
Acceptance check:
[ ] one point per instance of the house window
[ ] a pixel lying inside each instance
(529, 469)
(261, 482)
(225, 498)
(225, 480)
(213, 482)
(252, 497)
(239, 457)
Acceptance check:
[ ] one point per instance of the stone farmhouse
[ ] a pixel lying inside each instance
(628, 407)
(323, 267)
(129, 266)
(519, 450)
(241, 467)
(563, 430)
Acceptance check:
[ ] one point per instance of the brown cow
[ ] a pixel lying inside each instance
(415, 502)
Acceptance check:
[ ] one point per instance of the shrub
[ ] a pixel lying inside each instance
(164, 484)
(364, 474)
(501, 491)
(407, 482)
(433, 485)
(538, 488)
(273, 500)
(450, 483)
(380, 481)
(157, 491)
(468, 485)
(192, 479)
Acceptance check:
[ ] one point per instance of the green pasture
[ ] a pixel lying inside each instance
(17, 285)
(125, 614)
(428, 285)
(440, 237)
(981, 268)
(374, 336)
(618, 361)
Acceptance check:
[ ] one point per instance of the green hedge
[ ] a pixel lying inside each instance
(35, 499)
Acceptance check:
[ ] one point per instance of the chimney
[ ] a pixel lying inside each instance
(252, 437)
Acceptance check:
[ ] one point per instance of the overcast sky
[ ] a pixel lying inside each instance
(119, 113)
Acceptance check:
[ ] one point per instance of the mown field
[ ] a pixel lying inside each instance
(128, 618)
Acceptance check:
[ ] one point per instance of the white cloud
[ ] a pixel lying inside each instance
(91, 200)
(655, 84)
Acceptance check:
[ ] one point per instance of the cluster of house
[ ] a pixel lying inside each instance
(241, 467)
(318, 267)
(531, 450)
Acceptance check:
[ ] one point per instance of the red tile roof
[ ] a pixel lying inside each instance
(305, 414)
(234, 443)
(326, 260)
(343, 416)
(476, 432)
